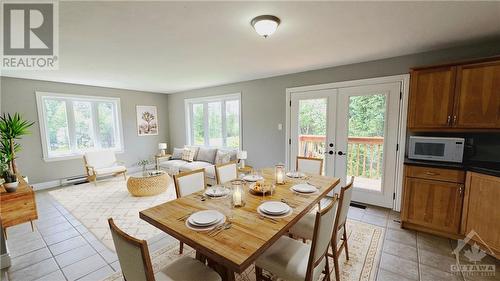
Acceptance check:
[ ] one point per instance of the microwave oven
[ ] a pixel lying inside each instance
(436, 149)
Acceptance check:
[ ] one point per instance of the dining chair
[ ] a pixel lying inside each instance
(135, 262)
(309, 165)
(292, 260)
(186, 183)
(304, 227)
(226, 172)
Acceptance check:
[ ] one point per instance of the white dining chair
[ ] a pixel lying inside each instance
(186, 183)
(292, 260)
(304, 228)
(135, 262)
(309, 165)
(226, 172)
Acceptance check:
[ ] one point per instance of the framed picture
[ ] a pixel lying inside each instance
(147, 120)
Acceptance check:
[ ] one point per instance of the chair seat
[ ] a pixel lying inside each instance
(305, 226)
(110, 170)
(288, 259)
(186, 268)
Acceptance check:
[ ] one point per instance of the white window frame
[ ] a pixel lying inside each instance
(205, 100)
(74, 154)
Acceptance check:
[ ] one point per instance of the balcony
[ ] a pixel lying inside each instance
(364, 157)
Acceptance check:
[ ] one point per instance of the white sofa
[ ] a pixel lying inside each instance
(205, 157)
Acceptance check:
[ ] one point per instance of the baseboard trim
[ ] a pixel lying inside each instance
(57, 183)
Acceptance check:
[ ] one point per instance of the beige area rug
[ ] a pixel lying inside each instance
(93, 205)
(365, 243)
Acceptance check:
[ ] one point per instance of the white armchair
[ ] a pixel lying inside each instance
(99, 163)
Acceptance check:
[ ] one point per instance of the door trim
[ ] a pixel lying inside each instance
(404, 80)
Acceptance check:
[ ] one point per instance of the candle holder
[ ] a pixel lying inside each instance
(279, 174)
(238, 196)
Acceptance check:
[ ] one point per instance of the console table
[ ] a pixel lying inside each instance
(17, 207)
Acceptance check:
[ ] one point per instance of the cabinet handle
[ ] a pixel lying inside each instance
(454, 120)
(448, 120)
(431, 173)
(461, 190)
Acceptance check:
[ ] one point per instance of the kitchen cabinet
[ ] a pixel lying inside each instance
(481, 212)
(432, 200)
(455, 97)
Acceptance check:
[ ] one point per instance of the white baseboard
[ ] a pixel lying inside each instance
(57, 183)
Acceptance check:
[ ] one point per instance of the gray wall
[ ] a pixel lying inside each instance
(264, 100)
(18, 95)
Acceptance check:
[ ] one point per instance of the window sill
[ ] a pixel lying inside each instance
(71, 156)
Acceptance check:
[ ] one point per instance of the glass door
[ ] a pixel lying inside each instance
(313, 127)
(366, 139)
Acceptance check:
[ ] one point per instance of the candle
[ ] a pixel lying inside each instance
(280, 174)
(238, 195)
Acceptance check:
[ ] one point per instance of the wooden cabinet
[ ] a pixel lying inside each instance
(481, 212)
(457, 97)
(478, 96)
(18, 207)
(432, 200)
(432, 104)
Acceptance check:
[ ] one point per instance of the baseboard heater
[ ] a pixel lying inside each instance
(74, 180)
(357, 205)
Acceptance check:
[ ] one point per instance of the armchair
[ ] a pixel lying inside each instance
(99, 163)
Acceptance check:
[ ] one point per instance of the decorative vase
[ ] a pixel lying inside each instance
(11, 186)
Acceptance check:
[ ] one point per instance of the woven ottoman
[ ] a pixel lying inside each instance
(148, 185)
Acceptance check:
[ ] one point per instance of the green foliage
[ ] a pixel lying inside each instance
(12, 127)
(366, 116)
(312, 117)
(143, 162)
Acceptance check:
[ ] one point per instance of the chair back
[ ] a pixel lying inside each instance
(189, 182)
(133, 255)
(226, 172)
(309, 165)
(322, 235)
(344, 203)
(100, 159)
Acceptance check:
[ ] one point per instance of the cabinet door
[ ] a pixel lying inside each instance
(433, 204)
(431, 98)
(478, 96)
(481, 208)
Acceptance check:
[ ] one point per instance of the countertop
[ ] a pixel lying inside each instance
(488, 168)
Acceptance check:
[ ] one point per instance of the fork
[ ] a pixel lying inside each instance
(225, 226)
(270, 219)
(184, 217)
(288, 203)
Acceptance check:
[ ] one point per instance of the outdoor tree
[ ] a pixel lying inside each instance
(148, 117)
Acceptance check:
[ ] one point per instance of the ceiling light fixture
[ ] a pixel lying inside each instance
(265, 25)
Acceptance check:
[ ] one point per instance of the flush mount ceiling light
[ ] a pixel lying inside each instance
(265, 25)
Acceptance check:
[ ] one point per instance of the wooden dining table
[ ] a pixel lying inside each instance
(233, 250)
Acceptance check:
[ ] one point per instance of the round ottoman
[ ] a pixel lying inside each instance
(148, 185)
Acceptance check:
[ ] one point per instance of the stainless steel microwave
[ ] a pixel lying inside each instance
(436, 149)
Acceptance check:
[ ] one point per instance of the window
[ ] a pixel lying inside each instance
(70, 125)
(214, 121)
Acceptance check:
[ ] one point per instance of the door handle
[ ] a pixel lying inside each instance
(448, 120)
(341, 153)
(454, 120)
(330, 152)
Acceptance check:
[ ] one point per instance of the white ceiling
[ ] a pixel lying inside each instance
(173, 46)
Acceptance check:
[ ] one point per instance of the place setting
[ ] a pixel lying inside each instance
(274, 210)
(304, 189)
(216, 192)
(206, 220)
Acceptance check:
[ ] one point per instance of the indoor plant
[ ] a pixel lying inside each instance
(143, 163)
(11, 129)
(10, 180)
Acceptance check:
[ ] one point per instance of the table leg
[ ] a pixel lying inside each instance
(225, 273)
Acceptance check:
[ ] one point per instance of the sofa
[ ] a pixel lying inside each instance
(204, 157)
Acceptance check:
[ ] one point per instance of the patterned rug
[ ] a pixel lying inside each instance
(365, 242)
(93, 205)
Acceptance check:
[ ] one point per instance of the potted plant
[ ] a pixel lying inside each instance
(143, 163)
(10, 182)
(11, 129)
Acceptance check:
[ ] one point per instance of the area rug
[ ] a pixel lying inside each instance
(93, 204)
(365, 243)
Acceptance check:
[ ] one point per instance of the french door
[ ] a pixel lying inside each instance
(355, 131)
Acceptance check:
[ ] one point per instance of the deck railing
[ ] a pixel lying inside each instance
(364, 154)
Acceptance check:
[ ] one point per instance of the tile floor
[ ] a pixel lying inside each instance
(63, 249)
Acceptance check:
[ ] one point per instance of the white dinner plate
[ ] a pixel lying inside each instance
(274, 207)
(286, 214)
(204, 228)
(304, 188)
(253, 178)
(205, 218)
(217, 191)
(295, 174)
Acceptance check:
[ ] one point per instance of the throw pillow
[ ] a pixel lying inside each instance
(206, 155)
(194, 148)
(188, 154)
(177, 153)
(222, 157)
